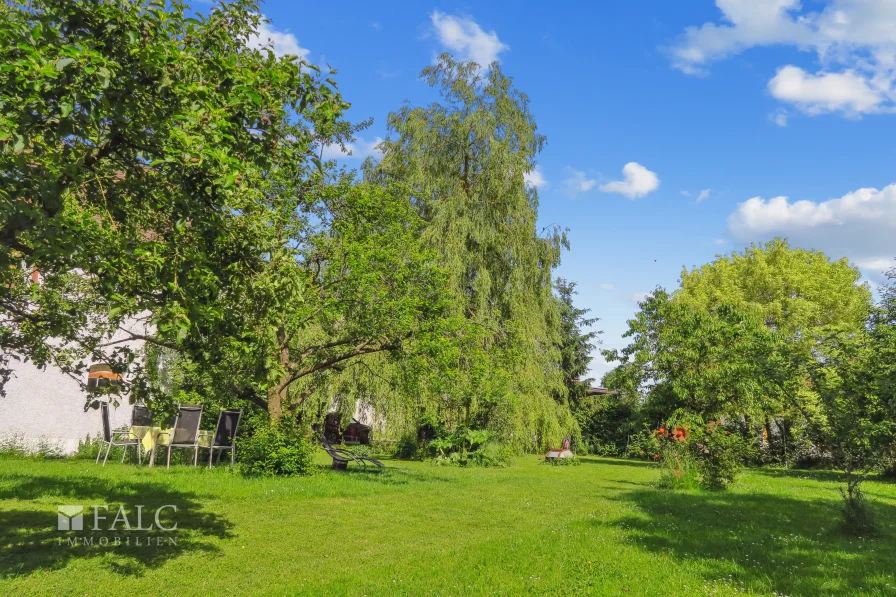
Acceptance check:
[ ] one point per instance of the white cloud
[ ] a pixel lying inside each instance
(638, 297)
(281, 42)
(877, 265)
(464, 37)
(606, 287)
(779, 117)
(852, 40)
(535, 178)
(825, 92)
(638, 182)
(860, 225)
(358, 150)
(719, 242)
(577, 182)
(704, 195)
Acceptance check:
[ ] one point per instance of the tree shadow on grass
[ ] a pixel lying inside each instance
(765, 542)
(390, 475)
(823, 476)
(31, 541)
(614, 461)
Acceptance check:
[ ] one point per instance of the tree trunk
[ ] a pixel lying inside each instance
(278, 393)
(275, 402)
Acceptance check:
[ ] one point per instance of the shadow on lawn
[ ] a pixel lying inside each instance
(823, 476)
(614, 461)
(765, 541)
(390, 475)
(30, 540)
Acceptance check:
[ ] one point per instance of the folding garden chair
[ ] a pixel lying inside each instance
(184, 435)
(225, 435)
(113, 438)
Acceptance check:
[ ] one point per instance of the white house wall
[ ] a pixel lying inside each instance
(47, 406)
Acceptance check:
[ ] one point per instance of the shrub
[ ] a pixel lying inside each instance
(692, 453)
(806, 454)
(561, 461)
(89, 447)
(407, 448)
(720, 455)
(468, 447)
(491, 453)
(13, 446)
(643, 444)
(276, 449)
(888, 462)
(598, 448)
(858, 516)
(678, 466)
(16, 446)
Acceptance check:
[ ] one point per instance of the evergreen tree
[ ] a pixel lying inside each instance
(576, 345)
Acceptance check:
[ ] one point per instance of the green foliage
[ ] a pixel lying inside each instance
(466, 447)
(575, 344)
(678, 467)
(13, 446)
(710, 363)
(801, 294)
(858, 513)
(275, 448)
(607, 423)
(561, 461)
(16, 446)
(139, 145)
(719, 453)
(643, 443)
(464, 162)
(176, 168)
(361, 450)
(692, 452)
(857, 387)
(740, 338)
(407, 447)
(89, 447)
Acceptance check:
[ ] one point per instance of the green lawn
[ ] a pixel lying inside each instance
(595, 529)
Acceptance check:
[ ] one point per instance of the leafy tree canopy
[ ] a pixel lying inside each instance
(464, 161)
(160, 172)
(801, 294)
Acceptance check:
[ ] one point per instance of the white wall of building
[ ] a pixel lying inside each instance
(47, 406)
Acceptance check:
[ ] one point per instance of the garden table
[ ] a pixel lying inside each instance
(148, 436)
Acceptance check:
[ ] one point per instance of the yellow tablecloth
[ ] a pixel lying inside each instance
(148, 436)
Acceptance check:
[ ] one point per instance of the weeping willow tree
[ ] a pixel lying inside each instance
(465, 160)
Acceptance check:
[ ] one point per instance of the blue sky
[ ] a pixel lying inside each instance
(676, 130)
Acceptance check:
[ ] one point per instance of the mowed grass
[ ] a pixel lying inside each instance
(600, 528)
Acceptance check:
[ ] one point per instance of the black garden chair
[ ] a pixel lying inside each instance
(225, 435)
(123, 438)
(141, 416)
(184, 435)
